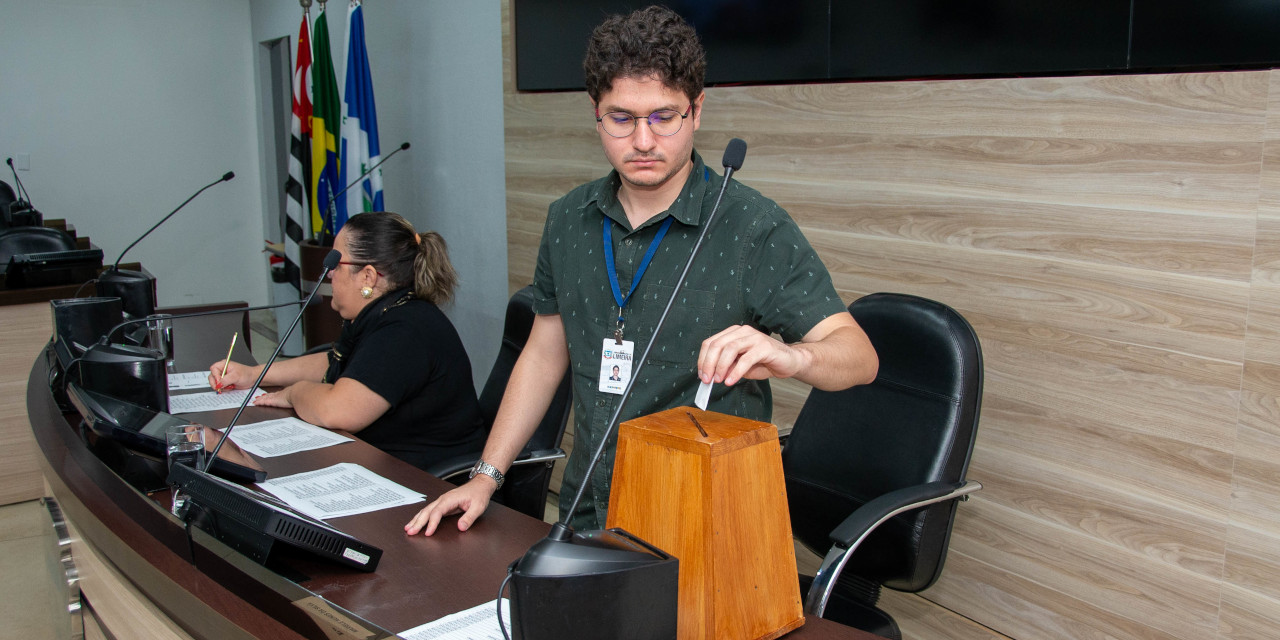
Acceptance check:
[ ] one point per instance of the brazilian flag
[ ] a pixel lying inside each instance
(325, 118)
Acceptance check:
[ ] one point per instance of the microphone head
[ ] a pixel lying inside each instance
(331, 261)
(9, 161)
(404, 146)
(734, 154)
(228, 175)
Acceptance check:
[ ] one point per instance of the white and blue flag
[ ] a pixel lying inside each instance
(359, 127)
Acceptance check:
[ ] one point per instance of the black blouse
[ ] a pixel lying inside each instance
(406, 350)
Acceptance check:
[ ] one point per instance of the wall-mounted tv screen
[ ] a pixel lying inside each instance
(759, 42)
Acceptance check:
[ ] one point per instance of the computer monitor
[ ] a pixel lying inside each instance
(141, 430)
(257, 524)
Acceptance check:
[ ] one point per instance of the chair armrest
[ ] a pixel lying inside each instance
(541, 455)
(451, 467)
(458, 465)
(850, 533)
(855, 528)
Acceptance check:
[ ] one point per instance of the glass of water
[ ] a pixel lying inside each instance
(185, 446)
(160, 338)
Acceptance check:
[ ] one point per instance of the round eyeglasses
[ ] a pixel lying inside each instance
(665, 122)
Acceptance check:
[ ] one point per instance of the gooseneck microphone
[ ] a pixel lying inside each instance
(331, 212)
(24, 196)
(330, 263)
(225, 178)
(137, 289)
(734, 154)
(20, 212)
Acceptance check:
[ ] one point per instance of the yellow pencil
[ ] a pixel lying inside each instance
(228, 362)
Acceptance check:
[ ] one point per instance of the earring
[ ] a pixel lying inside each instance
(366, 292)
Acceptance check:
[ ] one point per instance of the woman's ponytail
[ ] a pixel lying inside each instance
(434, 278)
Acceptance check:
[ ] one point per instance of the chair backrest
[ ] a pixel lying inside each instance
(515, 332)
(20, 240)
(526, 487)
(7, 198)
(914, 424)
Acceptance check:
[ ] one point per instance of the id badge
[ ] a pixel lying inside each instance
(615, 365)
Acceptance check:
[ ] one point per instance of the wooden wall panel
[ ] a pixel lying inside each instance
(1251, 596)
(1115, 241)
(1247, 616)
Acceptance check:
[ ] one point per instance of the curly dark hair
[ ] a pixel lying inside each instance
(654, 41)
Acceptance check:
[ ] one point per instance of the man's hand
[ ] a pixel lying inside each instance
(834, 355)
(743, 352)
(471, 499)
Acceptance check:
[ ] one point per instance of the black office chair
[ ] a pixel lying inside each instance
(25, 240)
(528, 480)
(7, 198)
(874, 473)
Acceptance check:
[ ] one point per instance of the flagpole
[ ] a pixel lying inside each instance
(360, 147)
(326, 116)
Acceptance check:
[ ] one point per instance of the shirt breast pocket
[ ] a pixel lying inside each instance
(690, 322)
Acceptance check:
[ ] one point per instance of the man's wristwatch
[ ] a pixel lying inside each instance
(486, 469)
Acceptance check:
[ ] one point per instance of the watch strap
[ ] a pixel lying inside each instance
(484, 468)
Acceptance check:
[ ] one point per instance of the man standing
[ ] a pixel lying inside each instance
(611, 252)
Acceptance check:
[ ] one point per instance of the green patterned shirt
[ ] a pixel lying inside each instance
(755, 268)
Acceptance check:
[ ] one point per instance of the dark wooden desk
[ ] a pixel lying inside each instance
(209, 591)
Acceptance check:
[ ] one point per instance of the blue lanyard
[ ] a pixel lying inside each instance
(644, 264)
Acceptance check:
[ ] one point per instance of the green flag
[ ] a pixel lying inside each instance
(325, 115)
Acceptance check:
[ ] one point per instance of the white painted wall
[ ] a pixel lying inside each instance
(126, 108)
(455, 105)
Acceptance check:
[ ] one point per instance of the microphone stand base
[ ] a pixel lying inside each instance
(136, 290)
(594, 585)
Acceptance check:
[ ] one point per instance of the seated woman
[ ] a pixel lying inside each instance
(398, 376)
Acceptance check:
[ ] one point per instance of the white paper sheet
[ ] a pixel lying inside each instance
(477, 623)
(209, 401)
(189, 380)
(343, 489)
(280, 437)
(704, 394)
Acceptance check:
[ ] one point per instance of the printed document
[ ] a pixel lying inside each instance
(189, 380)
(209, 401)
(283, 436)
(476, 623)
(343, 489)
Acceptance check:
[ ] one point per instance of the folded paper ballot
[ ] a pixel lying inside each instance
(704, 394)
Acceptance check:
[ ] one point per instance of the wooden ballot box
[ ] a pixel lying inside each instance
(718, 503)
